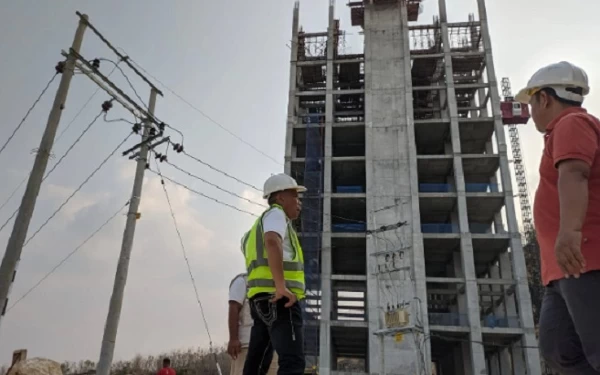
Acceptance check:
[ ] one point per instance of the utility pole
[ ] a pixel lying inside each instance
(116, 300)
(14, 247)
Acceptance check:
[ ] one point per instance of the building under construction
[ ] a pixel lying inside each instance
(414, 261)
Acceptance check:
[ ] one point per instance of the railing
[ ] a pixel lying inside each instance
(349, 227)
(439, 228)
(492, 321)
(448, 188)
(448, 319)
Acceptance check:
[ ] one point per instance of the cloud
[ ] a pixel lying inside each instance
(80, 201)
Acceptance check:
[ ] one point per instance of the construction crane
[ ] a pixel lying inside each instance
(514, 114)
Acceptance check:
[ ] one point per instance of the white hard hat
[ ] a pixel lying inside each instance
(563, 77)
(281, 182)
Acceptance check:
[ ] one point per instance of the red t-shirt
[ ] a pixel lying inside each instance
(166, 371)
(573, 135)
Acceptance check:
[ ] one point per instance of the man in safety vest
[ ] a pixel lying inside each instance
(275, 265)
(567, 217)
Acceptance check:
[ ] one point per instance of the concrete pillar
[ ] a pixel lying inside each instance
(326, 296)
(505, 362)
(518, 258)
(292, 117)
(478, 365)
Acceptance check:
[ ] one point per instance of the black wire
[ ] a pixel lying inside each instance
(202, 194)
(28, 112)
(187, 261)
(67, 257)
(77, 190)
(221, 171)
(87, 128)
(206, 116)
(215, 185)
(14, 192)
(117, 120)
(49, 172)
(154, 118)
(82, 108)
(127, 79)
(59, 137)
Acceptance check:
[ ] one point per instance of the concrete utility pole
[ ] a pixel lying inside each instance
(12, 255)
(116, 300)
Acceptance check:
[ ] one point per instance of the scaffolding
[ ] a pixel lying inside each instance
(312, 227)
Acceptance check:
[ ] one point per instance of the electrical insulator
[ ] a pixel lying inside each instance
(163, 158)
(178, 148)
(96, 63)
(162, 126)
(136, 128)
(152, 132)
(107, 105)
(147, 165)
(157, 155)
(60, 67)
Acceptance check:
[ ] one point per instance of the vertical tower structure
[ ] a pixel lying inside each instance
(414, 262)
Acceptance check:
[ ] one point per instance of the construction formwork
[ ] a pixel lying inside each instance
(414, 259)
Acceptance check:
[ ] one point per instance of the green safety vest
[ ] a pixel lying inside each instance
(260, 278)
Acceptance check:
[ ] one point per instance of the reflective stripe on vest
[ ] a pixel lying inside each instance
(260, 279)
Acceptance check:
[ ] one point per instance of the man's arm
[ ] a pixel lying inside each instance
(237, 295)
(573, 193)
(234, 319)
(575, 143)
(274, 245)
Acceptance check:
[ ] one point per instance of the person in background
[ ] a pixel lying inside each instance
(166, 369)
(276, 282)
(240, 324)
(567, 218)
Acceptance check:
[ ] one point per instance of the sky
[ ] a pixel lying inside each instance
(230, 60)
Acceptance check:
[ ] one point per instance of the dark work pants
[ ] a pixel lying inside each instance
(570, 325)
(275, 327)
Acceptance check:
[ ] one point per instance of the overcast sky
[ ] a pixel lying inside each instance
(230, 59)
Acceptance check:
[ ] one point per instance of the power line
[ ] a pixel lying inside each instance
(156, 119)
(77, 190)
(202, 194)
(207, 116)
(13, 193)
(221, 171)
(67, 257)
(187, 261)
(82, 108)
(73, 144)
(28, 112)
(215, 185)
(58, 138)
(50, 171)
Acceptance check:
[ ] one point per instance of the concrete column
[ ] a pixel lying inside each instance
(292, 117)
(505, 362)
(518, 258)
(326, 296)
(478, 364)
(495, 364)
(418, 260)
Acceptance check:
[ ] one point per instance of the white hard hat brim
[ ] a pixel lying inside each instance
(299, 189)
(523, 97)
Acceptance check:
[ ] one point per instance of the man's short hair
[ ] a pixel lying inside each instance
(272, 198)
(167, 361)
(551, 92)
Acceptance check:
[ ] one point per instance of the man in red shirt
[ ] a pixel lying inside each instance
(166, 369)
(567, 218)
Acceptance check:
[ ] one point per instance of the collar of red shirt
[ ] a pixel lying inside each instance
(562, 115)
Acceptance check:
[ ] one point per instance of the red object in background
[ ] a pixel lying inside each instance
(514, 112)
(166, 371)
